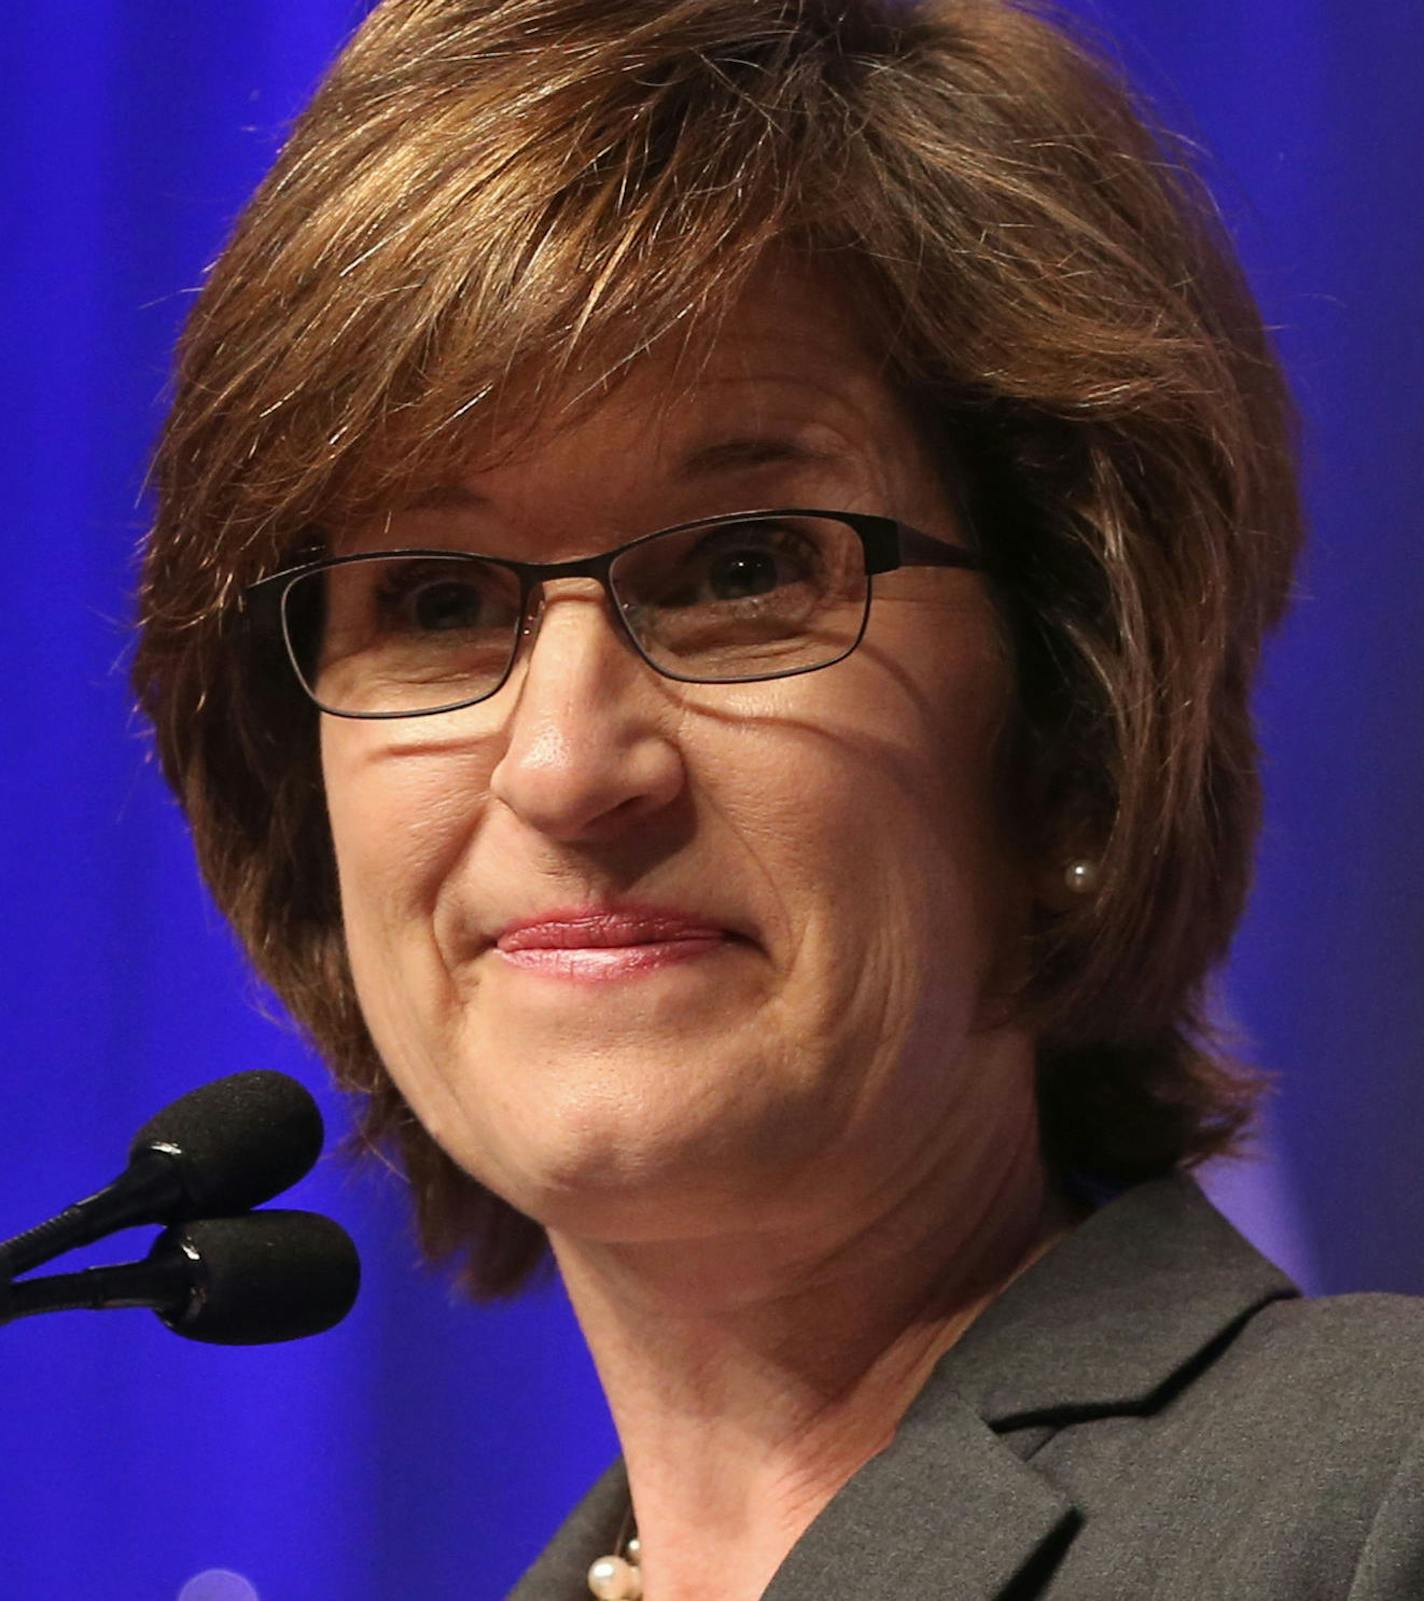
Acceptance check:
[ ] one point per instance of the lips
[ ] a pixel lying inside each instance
(590, 929)
(597, 945)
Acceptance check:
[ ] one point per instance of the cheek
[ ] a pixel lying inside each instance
(882, 841)
(918, 734)
(400, 816)
(403, 808)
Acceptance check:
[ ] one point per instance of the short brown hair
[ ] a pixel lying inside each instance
(484, 192)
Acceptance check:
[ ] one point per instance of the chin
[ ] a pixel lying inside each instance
(619, 1168)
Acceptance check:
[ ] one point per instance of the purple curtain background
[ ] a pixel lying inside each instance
(426, 1448)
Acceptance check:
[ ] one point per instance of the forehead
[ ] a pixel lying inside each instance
(791, 336)
(782, 400)
(788, 358)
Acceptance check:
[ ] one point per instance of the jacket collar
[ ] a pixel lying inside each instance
(1113, 1315)
(1106, 1322)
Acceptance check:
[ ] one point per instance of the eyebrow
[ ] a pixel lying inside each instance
(703, 462)
(729, 455)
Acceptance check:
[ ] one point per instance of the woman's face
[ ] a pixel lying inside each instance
(817, 861)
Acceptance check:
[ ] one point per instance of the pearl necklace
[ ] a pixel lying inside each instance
(619, 1577)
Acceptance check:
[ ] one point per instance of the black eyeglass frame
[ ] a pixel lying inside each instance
(887, 543)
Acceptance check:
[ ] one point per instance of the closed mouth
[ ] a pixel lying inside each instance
(601, 928)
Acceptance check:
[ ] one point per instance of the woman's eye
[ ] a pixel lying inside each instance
(738, 574)
(755, 564)
(416, 602)
(438, 607)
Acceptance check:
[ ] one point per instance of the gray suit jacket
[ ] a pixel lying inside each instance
(1150, 1411)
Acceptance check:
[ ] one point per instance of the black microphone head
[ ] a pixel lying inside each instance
(267, 1276)
(237, 1141)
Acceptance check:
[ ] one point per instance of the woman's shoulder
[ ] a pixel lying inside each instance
(1327, 1330)
(1354, 1365)
(1157, 1309)
(1214, 1432)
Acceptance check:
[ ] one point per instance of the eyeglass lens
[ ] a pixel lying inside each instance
(405, 634)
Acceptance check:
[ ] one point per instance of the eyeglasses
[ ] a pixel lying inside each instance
(723, 600)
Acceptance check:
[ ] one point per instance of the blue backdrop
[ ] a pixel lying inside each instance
(424, 1449)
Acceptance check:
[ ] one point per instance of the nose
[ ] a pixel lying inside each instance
(588, 749)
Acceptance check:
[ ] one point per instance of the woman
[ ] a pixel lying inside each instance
(708, 571)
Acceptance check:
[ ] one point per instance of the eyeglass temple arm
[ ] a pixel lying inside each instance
(892, 545)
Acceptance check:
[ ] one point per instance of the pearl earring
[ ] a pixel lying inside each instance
(1081, 877)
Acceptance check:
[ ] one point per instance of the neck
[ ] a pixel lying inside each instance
(752, 1373)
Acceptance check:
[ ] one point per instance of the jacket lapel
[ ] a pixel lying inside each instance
(947, 1511)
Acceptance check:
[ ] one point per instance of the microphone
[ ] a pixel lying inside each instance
(223, 1147)
(250, 1280)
